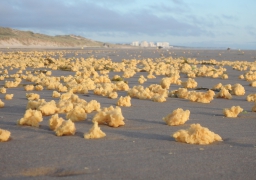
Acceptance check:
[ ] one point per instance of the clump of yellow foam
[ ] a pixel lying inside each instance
(223, 93)
(166, 82)
(251, 98)
(55, 94)
(228, 87)
(102, 79)
(4, 135)
(128, 73)
(241, 76)
(157, 89)
(174, 77)
(196, 134)
(55, 121)
(253, 84)
(11, 84)
(106, 89)
(111, 116)
(238, 90)
(48, 108)
(113, 95)
(95, 132)
(76, 114)
(39, 87)
(240, 66)
(29, 87)
(217, 86)
(140, 92)
(117, 78)
(185, 68)
(233, 111)
(1, 103)
(182, 93)
(177, 117)
(250, 76)
(64, 106)
(68, 101)
(93, 105)
(190, 83)
(8, 96)
(158, 98)
(3, 90)
(224, 76)
(62, 88)
(154, 92)
(66, 95)
(66, 128)
(150, 75)
(48, 73)
(124, 101)
(31, 118)
(142, 79)
(32, 96)
(121, 86)
(34, 104)
(202, 97)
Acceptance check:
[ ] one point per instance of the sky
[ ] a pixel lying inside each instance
(192, 23)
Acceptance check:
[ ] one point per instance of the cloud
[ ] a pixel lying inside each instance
(229, 17)
(87, 16)
(251, 30)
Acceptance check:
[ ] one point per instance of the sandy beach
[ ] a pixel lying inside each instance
(144, 147)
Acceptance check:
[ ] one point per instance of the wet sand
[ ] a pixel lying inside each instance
(144, 148)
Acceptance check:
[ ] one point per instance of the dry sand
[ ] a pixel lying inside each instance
(143, 148)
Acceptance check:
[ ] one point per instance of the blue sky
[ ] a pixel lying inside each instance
(196, 23)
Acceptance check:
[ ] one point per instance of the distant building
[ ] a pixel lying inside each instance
(144, 44)
(135, 43)
(162, 44)
(151, 44)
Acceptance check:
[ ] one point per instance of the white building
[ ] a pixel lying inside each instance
(135, 43)
(163, 44)
(144, 44)
(151, 44)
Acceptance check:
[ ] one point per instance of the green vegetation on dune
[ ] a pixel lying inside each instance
(31, 38)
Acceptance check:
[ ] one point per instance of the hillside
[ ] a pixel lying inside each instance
(16, 38)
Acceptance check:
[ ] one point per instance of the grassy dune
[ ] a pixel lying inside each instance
(27, 38)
